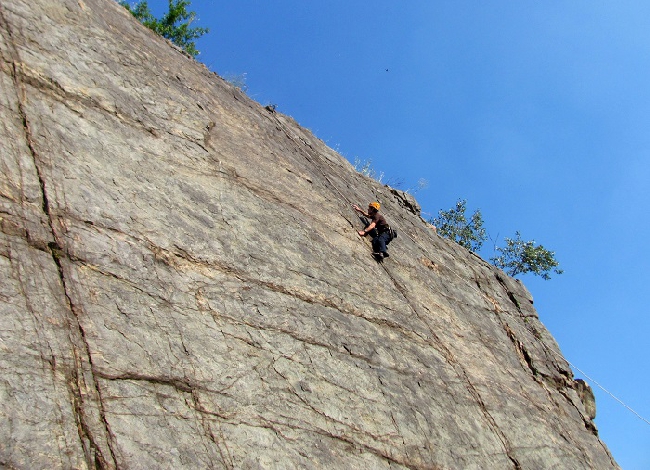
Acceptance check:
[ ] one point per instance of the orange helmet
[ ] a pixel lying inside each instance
(374, 205)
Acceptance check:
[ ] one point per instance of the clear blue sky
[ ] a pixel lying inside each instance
(537, 113)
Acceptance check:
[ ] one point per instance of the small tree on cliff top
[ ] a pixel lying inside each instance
(453, 224)
(174, 25)
(520, 257)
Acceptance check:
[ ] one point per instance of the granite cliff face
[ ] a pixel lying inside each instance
(182, 285)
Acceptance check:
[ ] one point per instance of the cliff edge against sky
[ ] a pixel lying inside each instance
(182, 285)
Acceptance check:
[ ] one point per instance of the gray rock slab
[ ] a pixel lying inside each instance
(182, 284)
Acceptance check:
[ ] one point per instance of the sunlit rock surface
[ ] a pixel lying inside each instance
(182, 286)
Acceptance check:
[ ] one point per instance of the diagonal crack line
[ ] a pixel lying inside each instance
(130, 283)
(407, 373)
(341, 437)
(290, 423)
(549, 355)
(67, 98)
(173, 257)
(220, 444)
(85, 431)
(182, 385)
(352, 426)
(462, 373)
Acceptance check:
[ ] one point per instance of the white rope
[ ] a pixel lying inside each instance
(609, 393)
(553, 353)
(286, 131)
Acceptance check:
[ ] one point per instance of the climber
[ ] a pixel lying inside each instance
(378, 228)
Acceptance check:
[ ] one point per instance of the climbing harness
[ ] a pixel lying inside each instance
(425, 250)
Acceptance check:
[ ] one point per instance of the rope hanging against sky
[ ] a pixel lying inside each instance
(286, 131)
(608, 392)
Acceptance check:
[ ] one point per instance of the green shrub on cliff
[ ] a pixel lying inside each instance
(174, 25)
(518, 256)
(453, 224)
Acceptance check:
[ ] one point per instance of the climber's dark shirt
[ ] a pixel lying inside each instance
(380, 222)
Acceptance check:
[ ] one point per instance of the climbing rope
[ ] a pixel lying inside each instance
(304, 149)
(607, 392)
(551, 352)
(310, 156)
(426, 251)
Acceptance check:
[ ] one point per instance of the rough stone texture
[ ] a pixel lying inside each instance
(182, 286)
(587, 397)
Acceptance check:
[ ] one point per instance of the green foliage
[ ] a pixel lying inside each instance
(453, 224)
(174, 25)
(520, 257)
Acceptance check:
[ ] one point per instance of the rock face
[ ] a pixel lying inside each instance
(182, 285)
(586, 396)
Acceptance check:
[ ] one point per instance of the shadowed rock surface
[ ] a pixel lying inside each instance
(182, 285)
